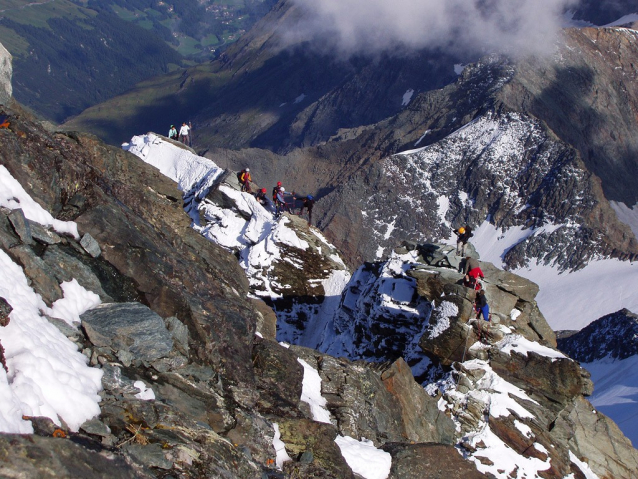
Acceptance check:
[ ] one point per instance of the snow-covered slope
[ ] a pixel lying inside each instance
(47, 375)
(287, 262)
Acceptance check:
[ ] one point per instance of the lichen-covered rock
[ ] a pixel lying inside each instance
(304, 435)
(279, 376)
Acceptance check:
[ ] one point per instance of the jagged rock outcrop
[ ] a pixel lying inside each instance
(6, 72)
(397, 411)
(200, 396)
(508, 388)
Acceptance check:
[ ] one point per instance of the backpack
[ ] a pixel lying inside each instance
(472, 283)
(239, 176)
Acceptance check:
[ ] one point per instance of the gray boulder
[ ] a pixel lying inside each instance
(21, 225)
(42, 234)
(6, 72)
(130, 327)
(90, 245)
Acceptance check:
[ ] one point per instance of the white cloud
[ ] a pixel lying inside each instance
(516, 27)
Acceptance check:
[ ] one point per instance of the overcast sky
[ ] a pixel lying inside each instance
(516, 27)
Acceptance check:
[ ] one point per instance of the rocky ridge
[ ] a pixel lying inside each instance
(218, 389)
(489, 377)
(384, 313)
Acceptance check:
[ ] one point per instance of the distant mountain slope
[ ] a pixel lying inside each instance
(608, 348)
(605, 11)
(265, 93)
(67, 58)
(196, 28)
(613, 336)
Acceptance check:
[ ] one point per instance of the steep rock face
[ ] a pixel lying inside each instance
(95, 193)
(6, 71)
(610, 336)
(588, 96)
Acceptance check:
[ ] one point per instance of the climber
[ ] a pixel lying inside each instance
(307, 202)
(280, 202)
(261, 197)
(245, 179)
(275, 190)
(472, 272)
(183, 133)
(463, 235)
(481, 307)
(4, 123)
(172, 133)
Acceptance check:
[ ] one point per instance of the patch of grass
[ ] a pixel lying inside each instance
(124, 14)
(38, 14)
(188, 46)
(17, 45)
(154, 13)
(210, 40)
(146, 24)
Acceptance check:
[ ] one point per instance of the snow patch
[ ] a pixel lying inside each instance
(146, 393)
(14, 197)
(311, 393)
(76, 301)
(522, 345)
(47, 376)
(407, 96)
(444, 311)
(365, 459)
